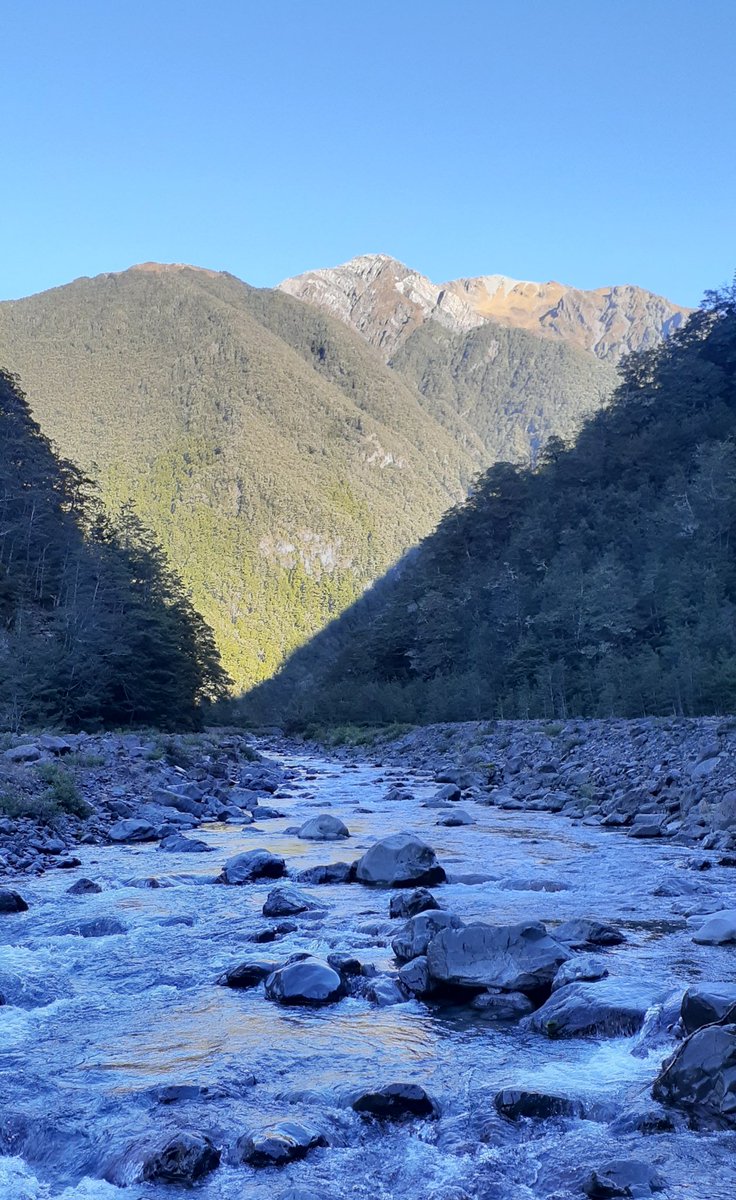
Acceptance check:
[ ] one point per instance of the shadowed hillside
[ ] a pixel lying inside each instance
(603, 582)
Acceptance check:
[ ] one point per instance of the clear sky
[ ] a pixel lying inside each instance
(587, 142)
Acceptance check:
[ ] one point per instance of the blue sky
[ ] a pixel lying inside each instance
(586, 142)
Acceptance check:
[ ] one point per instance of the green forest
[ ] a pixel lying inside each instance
(602, 581)
(95, 627)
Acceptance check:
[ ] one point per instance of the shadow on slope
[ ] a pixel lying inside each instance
(602, 582)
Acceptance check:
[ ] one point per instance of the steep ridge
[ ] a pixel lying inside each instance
(600, 583)
(280, 463)
(387, 301)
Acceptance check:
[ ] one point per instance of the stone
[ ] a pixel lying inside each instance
(131, 830)
(585, 932)
(84, 887)
(184, 1159)
(450, 791)
(347, 964)
(54, 745)
(627, 1177)
(178, 844)
(399, 860)
(456, 818)
(408, 904)
(338, 872)
(286, 902)
(278, 1144)
(248, 974)
(708, 1004)
(272, 932)
(385, 990)
(21, 754)
(514, 958)
(414, 938)
(253, 864)
(309, 982)
(415, 978)
(100, 927)
(700, 1077)
(397, 1102)
(583, 968)
(718, 930)
(514, 1103)
(647, 825)
(323, 828)
(609, 1008)
(11, 902)
(501, 1006)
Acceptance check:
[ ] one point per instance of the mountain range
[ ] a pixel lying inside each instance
(287, 446)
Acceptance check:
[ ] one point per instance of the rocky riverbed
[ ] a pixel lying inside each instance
(413, 970)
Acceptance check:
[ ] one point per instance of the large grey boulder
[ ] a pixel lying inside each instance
(700, 1077)
(132, 830)
(414, 938)
(309, 982)
(515, 958)
(708, 1004)
(609, 1008)
(21, 754)
(399, 860)
(184, 1159)
(323, 828)
(253, 864)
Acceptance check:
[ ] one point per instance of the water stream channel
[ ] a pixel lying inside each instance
(94, 1028)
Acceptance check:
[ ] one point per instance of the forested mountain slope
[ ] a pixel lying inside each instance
(94, 627)
(281, 464)
(603, 582)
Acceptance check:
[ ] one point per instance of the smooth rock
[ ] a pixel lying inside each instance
(399, 860)
(287, 902)
(253, 864)
(708, 1004)
(131, 830)
(609, 1008)
(583, 932)
(718, 930)
(700, 1077)
(309, 982)
(501, 1006)
(248, 974)
(323, 828)
(583, 968)
(397, 1102)
(415, 977)
(178, 844)
(11, 902)
(408, 904)
(83, 887)
(338, 872)
(278, 1144)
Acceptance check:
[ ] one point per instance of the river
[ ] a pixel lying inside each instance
(93, 1028)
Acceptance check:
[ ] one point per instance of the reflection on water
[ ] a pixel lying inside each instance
(94, 1026)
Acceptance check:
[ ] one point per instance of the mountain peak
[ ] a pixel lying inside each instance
(386, 301)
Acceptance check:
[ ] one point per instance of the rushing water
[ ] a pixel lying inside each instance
(94, 1027)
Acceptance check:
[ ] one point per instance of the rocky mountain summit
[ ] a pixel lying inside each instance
(386, 301)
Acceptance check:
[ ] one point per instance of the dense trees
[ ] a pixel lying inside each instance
(601, 582)
(94, 626)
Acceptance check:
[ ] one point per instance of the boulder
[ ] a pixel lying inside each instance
(21, 754)
(397, 1102)
(323, 828)
(338, 872)
(414, 938)
(253, 864)
(455, 818)
(184, 1159)
(84, 887)
(718, 930)
(309, 982)
(583, 968)
(514, 1103)
(585, 932)
(450, 791)
(132, 830)
(11, 902)
(278, 1144)
(399, 860)
(168, 798)
(501, 1006)
(248, 974)
(286, 902)
(408, 904)
(54, 745)
(627, 1177)
(708, 1004)
(610, 1008)
(178, 844)
(386, 990)
(514, 958)
(700, 1077)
